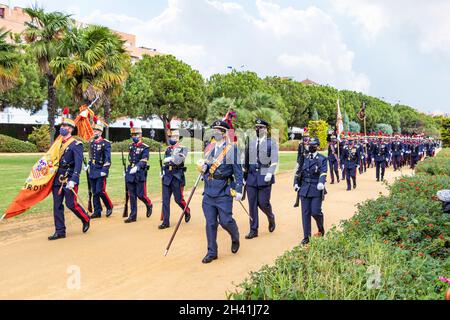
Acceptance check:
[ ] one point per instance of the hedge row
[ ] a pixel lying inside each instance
(395, 247)
(12, 145)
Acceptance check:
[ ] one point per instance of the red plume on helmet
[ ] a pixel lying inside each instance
(66, 111)
(131, 124)
(95, 119)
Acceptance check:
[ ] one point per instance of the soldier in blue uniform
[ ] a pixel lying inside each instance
(67, 179)
(351, 158)
(173, 178)
(380, 153)
(312, 189)
(343, 148)
(416, 153)
(263, 161)
(98, 169)
(397, 153)
(334, 159)
(136, 175)
(222, 173)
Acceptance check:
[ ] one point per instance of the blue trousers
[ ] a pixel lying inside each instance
(311, 207)
(397, 161)
(259, 197)
(98, 188)
(334, 169)
(137, 190)
(176, 189)
(71, 203)
(350, 174)
(380, 169)
(219, 211)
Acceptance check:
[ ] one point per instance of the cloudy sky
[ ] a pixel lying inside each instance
(396, 50)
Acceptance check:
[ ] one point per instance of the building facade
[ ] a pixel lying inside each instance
(14, 19)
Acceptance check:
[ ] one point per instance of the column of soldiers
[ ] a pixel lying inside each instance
(226, 179)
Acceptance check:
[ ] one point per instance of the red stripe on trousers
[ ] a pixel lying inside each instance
(104, 192)
(77, 207)
(145, 194)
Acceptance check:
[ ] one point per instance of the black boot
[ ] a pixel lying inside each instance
(56, 237)
(96, 216)
(272, 225)
(86, 226)
(109, 212)
(187, 217)
(253, 234)
(130, 220)
(235, 246)
(164, 226)
(305, 242)
(208, 259)
(149, 210)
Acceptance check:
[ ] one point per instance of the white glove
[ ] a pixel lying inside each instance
(373, 159)
(296, 188)
(161, 175)
(204, 168)
(86, 168)
(268, 177)
(103, 174)
(71, 185)
(238, 196)
(133, 170)
(320, 187)
(168, 159)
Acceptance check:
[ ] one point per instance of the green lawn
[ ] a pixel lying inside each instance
(15, 169)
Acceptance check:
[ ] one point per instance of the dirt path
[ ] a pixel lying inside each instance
(119, 261)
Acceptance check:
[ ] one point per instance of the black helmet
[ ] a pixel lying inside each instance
(314, 142)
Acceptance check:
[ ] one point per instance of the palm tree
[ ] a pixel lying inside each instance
(43, 33)
(93, 63)
(9, 63)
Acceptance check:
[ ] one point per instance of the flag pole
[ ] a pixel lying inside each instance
(3, 217)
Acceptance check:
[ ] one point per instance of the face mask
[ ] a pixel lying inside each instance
(96, 136)
(218, 136)
(312, 149)
(64, 132)
(172, 142)
(135, 139)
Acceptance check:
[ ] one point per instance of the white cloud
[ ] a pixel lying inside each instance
(212, 34)
(427, 21)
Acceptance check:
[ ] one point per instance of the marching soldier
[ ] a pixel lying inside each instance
(223, 181)
(136, 175)
(397, 153)
(98, 169)
(333, 159)
(343, 148)
(312, 189)
(380, 153)
(263, 161)
(65, 185)
(416, 153)
(351, 158)
(173, 177)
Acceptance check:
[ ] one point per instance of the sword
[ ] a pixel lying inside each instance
(63, 180)
(233, 194)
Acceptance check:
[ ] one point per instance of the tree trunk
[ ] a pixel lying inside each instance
(51, 105)
(107, 115)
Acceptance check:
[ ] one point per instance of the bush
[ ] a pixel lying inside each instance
(406, 235)
(291, 145)
(435, 166)
(355, 127)
(384, 128)
(11, 145)
(341, 268)
(123, 145)
(40, 137)
(319, 129)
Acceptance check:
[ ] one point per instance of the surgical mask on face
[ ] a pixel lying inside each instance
(63, 132)
(96, 136)
(218, 136)
(172, 142)
(135, 139)
(312, 149)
